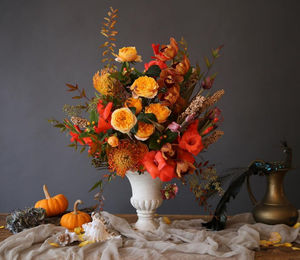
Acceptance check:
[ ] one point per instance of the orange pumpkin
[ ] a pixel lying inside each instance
(53, 205)
(75, 218)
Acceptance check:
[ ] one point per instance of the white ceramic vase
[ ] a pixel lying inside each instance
(146, 198)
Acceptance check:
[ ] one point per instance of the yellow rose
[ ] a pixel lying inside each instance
(144, 87)
(104, 84)
(161, 112)
(134, 102)
(144, 131)
(128, 54)
(123, 120)
(113, 141)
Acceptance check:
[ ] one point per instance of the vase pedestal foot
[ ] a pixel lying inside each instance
(146, 221)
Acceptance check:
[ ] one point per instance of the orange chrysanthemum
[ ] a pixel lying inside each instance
(105, 84)
(126, 156)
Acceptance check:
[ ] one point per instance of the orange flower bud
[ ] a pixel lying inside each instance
(113, 141)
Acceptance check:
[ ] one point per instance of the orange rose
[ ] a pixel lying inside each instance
(123, 120)
(161, 112)
(128, 54)
(144, 87)
(144, 131)
(134, 102)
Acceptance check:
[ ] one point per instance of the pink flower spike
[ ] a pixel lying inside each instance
(174, 127)
(190, 118)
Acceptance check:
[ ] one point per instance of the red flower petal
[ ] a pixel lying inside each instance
(160, 160)
(107, 111)
(185, 156)
(148, 162)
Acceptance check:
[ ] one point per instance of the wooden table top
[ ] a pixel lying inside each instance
(278, 253)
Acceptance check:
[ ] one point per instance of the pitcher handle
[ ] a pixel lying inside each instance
(251, 196)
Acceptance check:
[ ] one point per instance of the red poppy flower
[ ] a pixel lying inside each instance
(157, 166)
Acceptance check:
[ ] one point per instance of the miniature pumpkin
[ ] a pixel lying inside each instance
(75, 218)
(53, 205)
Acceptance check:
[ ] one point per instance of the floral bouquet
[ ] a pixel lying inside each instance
(154, 121)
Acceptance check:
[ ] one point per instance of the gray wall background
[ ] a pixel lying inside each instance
(45, 44)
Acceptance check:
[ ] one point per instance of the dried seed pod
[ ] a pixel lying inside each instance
(194, 108)
(81, 122)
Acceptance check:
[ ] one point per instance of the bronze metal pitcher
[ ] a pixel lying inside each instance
(274, 207)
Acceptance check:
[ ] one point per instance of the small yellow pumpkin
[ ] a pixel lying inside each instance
(75, 218)
(53, 205)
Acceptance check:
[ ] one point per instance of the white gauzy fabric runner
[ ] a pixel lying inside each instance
(182, 239)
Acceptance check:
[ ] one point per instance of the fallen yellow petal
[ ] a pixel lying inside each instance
(275, 237)
(84, 243)
(167, 220)
(296, 225)
(284, 244)
(54, 244)
(81, 237)
(265, 243)
(2, 227)
(295, 248)
(78, 230)
(287, 244)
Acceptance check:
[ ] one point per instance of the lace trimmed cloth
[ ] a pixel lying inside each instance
(182, 239)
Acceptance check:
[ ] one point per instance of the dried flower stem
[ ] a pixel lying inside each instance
(212, 100)
(193, 108)
(213, 138)
(108, 30)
